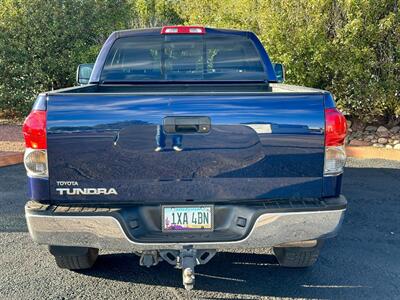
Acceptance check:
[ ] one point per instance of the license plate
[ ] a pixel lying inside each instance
(188, 218)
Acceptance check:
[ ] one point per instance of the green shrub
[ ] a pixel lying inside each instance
(350, 47)
(43, 41)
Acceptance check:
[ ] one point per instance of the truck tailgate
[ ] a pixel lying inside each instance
(259, 146)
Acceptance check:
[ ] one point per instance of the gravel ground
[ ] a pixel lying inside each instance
(12, 146)
(11, 133)
(363, 262)
(11, 138)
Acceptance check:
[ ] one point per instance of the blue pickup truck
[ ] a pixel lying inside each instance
(183, 142)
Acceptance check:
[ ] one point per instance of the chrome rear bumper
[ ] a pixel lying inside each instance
(105, 232)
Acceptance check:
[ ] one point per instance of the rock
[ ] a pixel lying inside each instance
(359, 143)
(383, 133)
(371, 128)
(395, 142)
(390, 141)
(357, 125)
(389, 147)
(352, 135)
(365, 133)
(381, 129)
(378, 145)
(396, 147)
(357, 134)
(382, 140)
(374, 141)
(369, 138)
(395, 129)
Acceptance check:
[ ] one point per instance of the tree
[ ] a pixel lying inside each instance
(350, 47)
(153, 13)
(43, 41)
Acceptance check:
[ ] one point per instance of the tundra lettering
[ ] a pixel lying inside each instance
(86, 191)
(203, 145)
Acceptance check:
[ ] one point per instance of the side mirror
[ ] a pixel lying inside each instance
(279, 72)
(83, 73)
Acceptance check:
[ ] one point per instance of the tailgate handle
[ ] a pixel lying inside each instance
(184, 125)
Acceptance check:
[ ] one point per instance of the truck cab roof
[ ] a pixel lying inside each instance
(157, 30)
(194, 62)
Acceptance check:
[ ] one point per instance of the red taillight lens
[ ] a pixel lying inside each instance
(335, 127)
(34, 130)
(335, 133)
(183, 30)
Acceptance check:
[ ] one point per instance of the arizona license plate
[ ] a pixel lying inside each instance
(188, 218)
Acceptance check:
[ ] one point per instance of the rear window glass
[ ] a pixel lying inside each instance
(220, 57)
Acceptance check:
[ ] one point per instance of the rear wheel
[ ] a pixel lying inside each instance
(74, 258)
(297, 257)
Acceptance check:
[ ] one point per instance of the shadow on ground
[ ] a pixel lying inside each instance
(242, 273)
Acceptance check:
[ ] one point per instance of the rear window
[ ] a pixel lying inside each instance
(219, 57)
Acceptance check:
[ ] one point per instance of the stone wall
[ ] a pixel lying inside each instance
(377, 136)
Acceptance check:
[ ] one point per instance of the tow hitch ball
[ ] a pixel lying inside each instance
(185, 259)
(188, 278)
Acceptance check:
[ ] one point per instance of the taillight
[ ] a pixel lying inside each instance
(35, 162)
(335, 127)
(34, 131)
(335, 134)
(183, 30)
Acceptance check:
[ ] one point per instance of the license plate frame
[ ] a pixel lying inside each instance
(188, 207)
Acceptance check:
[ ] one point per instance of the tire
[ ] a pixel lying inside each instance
(74, 258)
(297, 257)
